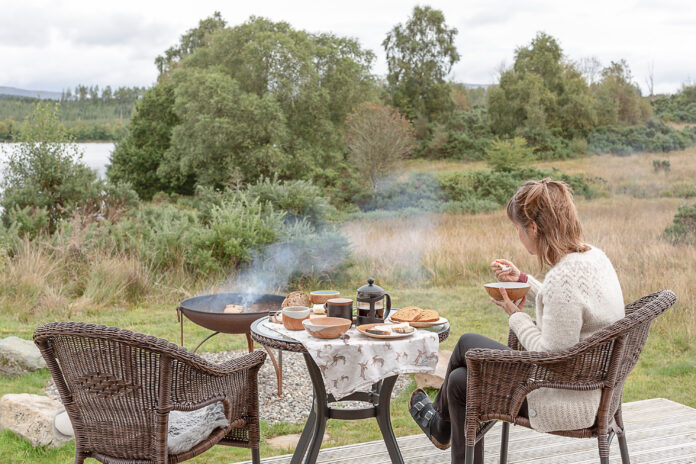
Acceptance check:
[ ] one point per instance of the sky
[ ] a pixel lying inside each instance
(53, 45)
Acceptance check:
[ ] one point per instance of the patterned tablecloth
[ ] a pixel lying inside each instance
(355, 361)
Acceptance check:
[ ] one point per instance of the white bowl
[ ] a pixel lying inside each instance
(296, 312)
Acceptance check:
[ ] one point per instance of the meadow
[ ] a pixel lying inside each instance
(437, 261)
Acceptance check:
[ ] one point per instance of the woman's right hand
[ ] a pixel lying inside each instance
(509, 274)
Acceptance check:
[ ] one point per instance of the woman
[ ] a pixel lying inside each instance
(580, 295)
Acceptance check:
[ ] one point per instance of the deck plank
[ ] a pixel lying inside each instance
(659, 431)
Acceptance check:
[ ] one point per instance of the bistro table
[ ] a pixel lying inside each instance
(379, 397)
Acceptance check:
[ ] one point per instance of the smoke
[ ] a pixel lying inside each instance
(304, 253)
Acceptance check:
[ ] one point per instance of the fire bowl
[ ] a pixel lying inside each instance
(207, 310)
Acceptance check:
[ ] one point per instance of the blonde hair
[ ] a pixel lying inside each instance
(549, 204)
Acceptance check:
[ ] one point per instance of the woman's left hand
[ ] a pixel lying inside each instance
(508, 305)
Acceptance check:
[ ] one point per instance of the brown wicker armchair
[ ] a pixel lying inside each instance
(118, 388)
(499, 380)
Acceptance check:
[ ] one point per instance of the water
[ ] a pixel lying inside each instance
(95, 155)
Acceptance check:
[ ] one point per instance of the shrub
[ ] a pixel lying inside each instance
(44, 171)
(508, 155)
(683, 228)
(420, 190)
(298, 198)
(661, 165)
(653, 136)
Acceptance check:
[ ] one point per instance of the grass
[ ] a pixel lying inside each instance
(435, 261)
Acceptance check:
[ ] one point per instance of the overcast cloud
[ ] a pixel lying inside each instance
(52, 45)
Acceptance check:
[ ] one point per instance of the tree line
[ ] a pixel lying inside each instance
(89, 112)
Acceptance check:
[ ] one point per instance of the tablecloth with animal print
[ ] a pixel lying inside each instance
(355, 361)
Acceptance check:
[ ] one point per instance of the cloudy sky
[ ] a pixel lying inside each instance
(55, 44)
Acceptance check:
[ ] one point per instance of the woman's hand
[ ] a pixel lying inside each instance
(507, 273)
(508, 305)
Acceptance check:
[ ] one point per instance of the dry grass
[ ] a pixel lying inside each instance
(455, 250)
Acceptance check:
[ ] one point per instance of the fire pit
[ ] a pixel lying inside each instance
(208, 311)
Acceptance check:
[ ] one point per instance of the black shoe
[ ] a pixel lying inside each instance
(423, 412)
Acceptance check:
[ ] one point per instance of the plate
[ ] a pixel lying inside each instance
(421, 325)
(363, 330)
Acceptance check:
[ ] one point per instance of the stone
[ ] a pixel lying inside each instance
(289, 442)
(31, 417)
(434, 379)
(19, 356)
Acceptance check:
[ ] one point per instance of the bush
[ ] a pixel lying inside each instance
(654, 136)
(45, 172)
(420, 190)
(297, 198)
(679, 107)
(508, 155)
(683, 228)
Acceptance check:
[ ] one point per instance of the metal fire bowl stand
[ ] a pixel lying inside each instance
(208, 311)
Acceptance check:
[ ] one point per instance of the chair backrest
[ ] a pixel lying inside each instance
(112, 383)
(635, 328)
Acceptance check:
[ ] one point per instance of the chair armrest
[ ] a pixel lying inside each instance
(513, 342)
(498, 381)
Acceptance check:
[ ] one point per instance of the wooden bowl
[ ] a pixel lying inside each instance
(326, 327)
(294, 315)
(322, 296)
(515, 290)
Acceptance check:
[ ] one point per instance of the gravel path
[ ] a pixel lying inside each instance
(297, 388)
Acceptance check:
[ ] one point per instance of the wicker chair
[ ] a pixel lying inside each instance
(499, 380)
(118, 388)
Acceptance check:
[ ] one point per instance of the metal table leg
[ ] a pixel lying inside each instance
(278, 367)
(380, 397)
(384, 419)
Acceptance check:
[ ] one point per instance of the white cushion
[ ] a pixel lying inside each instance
(189, 428)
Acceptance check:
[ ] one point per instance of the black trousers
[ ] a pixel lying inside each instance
(450, 402)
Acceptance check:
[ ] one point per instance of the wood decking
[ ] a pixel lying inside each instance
(658, 431)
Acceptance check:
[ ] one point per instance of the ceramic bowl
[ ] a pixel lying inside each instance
(322, 296)
(515, 290)
(294, 315)
(326, 327)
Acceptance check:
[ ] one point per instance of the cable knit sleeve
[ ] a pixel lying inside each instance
(534, 287)
(561, 319)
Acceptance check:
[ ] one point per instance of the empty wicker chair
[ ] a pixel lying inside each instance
(499, 380)
(120, 388)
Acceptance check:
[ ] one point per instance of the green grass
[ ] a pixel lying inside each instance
(665, 369)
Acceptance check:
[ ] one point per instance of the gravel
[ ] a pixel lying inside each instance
(297, 388)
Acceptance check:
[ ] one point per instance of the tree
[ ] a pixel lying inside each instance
(420, 54)
(224, 132)
(138, 155)
(378, 136)
(541, 95)
(189, 42)
(44, 173)
(618, 99)
(259, 98)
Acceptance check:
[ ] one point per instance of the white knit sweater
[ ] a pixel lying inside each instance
(579, 296)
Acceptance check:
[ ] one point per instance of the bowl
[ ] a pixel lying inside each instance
(326, 327)
(515, 290)
(294, 315)
(322, 296)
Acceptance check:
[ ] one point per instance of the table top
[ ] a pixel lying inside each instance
(273, 339)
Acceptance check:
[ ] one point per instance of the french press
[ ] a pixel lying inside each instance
(373, 303)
